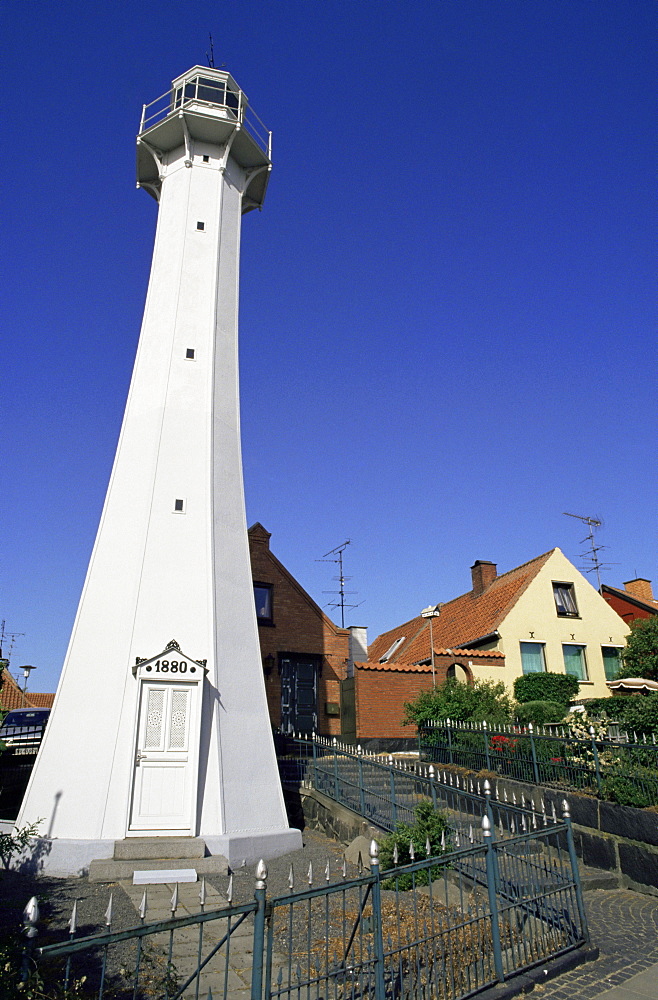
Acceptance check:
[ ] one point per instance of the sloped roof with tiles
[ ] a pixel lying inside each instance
(426, 667)
(11, 695)
(464, 620)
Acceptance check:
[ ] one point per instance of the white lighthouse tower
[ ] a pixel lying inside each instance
(160, 725)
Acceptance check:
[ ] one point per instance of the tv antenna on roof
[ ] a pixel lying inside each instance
(591, 556)
(342, 580)
(9, 638)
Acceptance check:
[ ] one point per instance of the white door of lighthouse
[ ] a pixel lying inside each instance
(164, 785)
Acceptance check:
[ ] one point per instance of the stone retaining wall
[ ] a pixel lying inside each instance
(619, 839)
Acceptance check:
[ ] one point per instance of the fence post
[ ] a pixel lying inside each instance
(394, 808)
(533, 751)
(432, 785)
(259, 933)
(315, 761)
(488, 807)
(596, 761)
(30, 920)
(377, 933)
(335, 769)
(449, 741)
(492, 881)
(362, 794)
(575, 874)
(486, 745)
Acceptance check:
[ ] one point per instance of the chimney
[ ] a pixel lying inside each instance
(483, 574)
(641, 589)
(358, 647)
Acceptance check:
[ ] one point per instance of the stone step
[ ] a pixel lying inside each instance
(154, 848)
(112, 870)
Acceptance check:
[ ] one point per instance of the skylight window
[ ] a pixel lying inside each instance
(392, 649)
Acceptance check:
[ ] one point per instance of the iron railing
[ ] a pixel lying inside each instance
(444, 927)
(386, 790)
(203, 92)
(619, 769)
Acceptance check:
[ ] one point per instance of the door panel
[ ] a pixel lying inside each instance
(299, 699)
(164, 781)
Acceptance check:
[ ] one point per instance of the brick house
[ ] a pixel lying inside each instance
(636, 600)
(543, 615)
(304, 654)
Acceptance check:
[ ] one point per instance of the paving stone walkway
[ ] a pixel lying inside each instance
(230, 971)
(624, 927)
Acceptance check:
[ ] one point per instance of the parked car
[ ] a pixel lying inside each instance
(22, 730)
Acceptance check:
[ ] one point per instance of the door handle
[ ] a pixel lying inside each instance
(139, 756)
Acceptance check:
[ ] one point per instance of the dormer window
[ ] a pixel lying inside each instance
(565, 600)
(391, 650)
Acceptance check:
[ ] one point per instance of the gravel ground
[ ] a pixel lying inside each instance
(623, 924)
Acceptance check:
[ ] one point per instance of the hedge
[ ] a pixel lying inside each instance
(540, 712)
(560, 688)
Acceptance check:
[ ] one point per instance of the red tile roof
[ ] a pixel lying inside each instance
(426, 667)
(463, 620)
(11, 695)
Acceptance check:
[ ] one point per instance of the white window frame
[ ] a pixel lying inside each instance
(533, 642)
(583, 646)
(610, 645)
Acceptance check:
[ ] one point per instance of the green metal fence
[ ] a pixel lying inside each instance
(444, 927)
(620, 769)
(386, 790)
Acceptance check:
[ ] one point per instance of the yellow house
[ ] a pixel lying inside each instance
(542, 616)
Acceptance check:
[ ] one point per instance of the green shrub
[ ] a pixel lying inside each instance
(634, 712)
(634, 786)
(560, 688)
(540, 712)
(430, 824)
(484, 700)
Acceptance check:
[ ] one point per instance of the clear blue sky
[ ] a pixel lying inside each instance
(447, 303)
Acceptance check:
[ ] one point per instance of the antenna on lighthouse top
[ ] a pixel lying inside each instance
(211, 57)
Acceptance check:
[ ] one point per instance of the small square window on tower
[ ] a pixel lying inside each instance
(179, 506)
(189, 354)
(206, 158)
(200, 226)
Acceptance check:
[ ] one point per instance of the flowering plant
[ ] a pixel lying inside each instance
(504, 744)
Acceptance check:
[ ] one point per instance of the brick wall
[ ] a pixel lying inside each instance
(380, 690)
(298, 626)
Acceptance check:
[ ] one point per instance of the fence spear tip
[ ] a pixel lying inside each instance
(73, 922)
(143, 907)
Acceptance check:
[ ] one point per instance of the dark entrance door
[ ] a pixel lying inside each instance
(299, 692)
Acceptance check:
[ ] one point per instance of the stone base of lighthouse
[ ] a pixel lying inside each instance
(109, 860)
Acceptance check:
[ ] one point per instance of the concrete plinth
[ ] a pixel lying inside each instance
(254, 845)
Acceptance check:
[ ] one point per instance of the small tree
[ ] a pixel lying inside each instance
(640, 658)
(484, 701)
